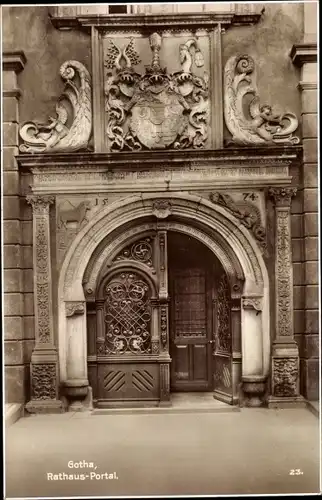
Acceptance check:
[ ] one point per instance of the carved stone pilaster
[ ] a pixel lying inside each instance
(283, 261)
(285, 358)
(44, 361)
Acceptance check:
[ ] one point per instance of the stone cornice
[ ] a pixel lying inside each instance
(147, 160)
(149, 22)
(302, 53)
(14, 61)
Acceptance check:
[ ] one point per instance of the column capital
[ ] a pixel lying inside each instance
(302, 53)
(40, 204)
(282, 196)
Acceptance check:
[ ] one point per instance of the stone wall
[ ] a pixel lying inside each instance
(305, 222)
(29, 29)
(17, 346)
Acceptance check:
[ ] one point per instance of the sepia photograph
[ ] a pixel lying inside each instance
(160, 250)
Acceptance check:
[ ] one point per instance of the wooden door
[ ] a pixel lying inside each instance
(190, 334)
(223, 376)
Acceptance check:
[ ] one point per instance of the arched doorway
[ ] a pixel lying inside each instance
(127, 341)
(93, 253)
(200, 324)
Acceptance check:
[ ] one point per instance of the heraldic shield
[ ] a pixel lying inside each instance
(158, 119)
(155, 110)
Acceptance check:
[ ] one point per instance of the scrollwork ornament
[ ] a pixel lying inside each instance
(283, 274)
(260, 125)
(127, 315)
(58, 136)
(140, 251)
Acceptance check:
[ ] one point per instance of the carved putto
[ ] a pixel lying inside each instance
(58, 136)
(262, 126)
(155, 110)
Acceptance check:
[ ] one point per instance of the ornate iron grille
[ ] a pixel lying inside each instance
(127, 313)
(223, 334)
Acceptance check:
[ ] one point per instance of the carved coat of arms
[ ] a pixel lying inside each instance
(156, 110)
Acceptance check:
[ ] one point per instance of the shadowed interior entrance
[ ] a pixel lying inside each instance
(194, 273)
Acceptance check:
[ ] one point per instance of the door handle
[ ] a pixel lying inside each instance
(211, 341)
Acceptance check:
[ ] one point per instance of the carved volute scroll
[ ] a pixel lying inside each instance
(262, 126)
(57, 136)
(155, 110)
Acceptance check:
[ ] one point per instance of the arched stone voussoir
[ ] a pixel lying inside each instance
(193, 215)
(190, 207)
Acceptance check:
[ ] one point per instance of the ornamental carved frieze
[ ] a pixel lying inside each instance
(157, 109)
(285, 377)
(43, 381)
(247, 213)
(74, 107)
(247, 120)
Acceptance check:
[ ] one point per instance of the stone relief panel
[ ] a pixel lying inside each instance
(249, 121)
(150, 106)
(43, 381)
(285, 376)
(249, 207)
(71, 129)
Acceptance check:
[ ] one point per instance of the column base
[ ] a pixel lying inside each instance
(286, 402)
(45, 406)
(253, 389)
(78, 395)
